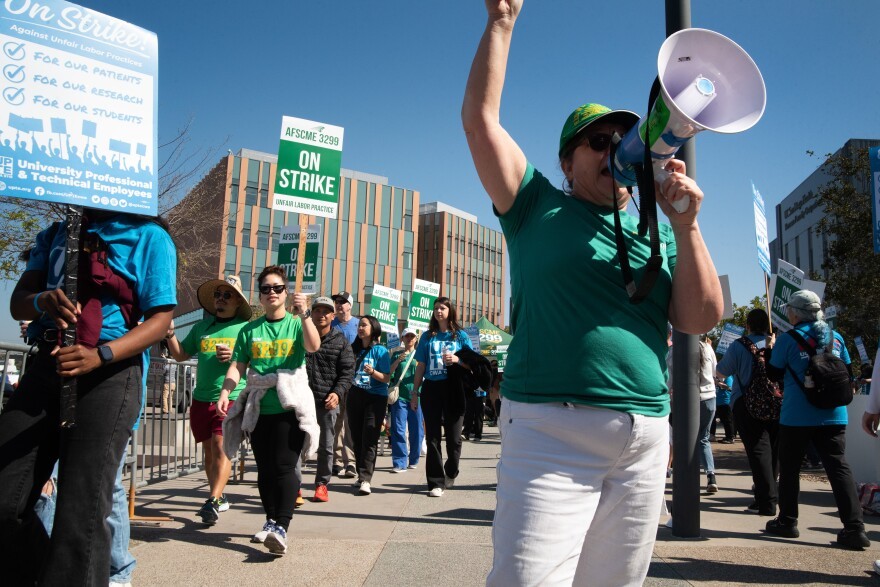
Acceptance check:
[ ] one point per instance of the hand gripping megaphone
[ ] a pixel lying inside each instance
(707, 82)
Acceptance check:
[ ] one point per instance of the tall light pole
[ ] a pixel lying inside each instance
(685, 368)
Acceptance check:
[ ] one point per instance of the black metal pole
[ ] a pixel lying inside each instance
(685, 368)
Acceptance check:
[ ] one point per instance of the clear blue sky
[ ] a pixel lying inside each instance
(392, 73)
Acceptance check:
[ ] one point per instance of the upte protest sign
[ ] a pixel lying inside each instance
(761, 231)
(421, 305)
(309, 163)
(384, 305)
(288, 252)
(79, 107)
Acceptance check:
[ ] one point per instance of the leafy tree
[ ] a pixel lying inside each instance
(739, 315)
(853, 269)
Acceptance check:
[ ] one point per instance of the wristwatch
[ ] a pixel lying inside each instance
(105, 353)
(306, 314)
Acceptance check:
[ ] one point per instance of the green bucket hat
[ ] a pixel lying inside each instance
(586, 115)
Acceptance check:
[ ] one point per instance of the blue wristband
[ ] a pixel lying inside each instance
(36, 300)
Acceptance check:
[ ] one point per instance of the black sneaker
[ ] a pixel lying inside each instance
(209, 512)
(785, 529)
(855, 539)
(711, 486)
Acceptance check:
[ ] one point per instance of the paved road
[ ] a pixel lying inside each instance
(400, 536)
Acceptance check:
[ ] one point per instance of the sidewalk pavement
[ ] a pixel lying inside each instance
(400, 536)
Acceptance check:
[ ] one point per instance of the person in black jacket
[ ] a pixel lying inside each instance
(331, 371)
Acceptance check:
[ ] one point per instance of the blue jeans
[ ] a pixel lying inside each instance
(402, 418)
(122, 563)
(707, 414)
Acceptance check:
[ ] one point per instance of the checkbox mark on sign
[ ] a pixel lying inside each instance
(14, 73)
(14, 96)
(14, 50)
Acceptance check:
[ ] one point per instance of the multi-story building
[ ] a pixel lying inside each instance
(465, 258)
(371, 242)
(798, 240)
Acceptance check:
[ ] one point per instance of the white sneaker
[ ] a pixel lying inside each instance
(365, 488)
(276, 540)
(396, 470)
(115, 584)
(412, 466)
(877, 567)
(450, 482)
(436, 492)
(260, 537)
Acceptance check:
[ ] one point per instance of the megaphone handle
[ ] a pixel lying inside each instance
(661, 175)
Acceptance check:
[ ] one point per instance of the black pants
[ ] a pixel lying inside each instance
(760, 441)
(277, 442)
(830, 442)
(473, 417)
(366, 414)
(725, 414)
(441, 410)
(88, 455)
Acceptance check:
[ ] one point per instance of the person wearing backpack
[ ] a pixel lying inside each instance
(743, 360)
(800, 422)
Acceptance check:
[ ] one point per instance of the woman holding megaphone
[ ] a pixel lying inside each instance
(584, 428)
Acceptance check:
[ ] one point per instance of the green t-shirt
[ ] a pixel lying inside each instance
(406, 384)
(270, 346)
(577, 338)
(201, 342)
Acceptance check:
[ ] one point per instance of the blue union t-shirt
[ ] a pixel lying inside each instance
(431, 348)
(796, 409)
(139, 250)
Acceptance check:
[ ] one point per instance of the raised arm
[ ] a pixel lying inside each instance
(696, 304)
(499, 161)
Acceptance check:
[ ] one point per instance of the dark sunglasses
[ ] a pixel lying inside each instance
(599, 141)
(226, 295)
(265, 289)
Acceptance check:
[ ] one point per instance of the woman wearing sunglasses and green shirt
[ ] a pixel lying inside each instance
(278, 340)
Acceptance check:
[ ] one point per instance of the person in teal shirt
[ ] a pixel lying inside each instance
(442, 407)
(584, 423)
(800, 423)
(277, 340)
(367, 400)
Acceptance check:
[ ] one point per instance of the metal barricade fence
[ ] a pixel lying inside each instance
(162, 447)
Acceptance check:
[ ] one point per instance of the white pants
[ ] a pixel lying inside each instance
(579, 493)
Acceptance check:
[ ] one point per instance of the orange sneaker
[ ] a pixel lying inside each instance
(321, 493)
(299, 500)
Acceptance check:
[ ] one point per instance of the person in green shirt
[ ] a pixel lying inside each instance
(211, 341)
(278, 340)
(584, 423)
(403, 418)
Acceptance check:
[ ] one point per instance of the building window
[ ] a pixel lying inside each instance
(371, 245)
(385, 220)
(264, 219)
(797, 251)
(233, 194)
(236, 169)
(230, 257)
(383, 247)
(230, 235)
(246, 221)
(397, 215)
(250, 196)
(263, 240)
(371, 205)
(361, 212)
(810, 249)
(344, 197)
(247, 258)
(330, 239)
(343, 243)
(264, 180)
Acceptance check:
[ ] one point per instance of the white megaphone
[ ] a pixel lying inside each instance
(708, 82)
